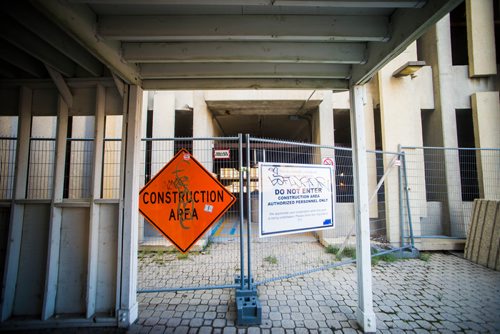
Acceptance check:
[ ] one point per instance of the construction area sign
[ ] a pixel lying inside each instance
(183, 200)
(295, 198)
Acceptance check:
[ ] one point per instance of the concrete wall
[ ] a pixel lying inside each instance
(31, 276)
(62, 252)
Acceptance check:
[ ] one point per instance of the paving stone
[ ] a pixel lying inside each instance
(288, 324)
(205, 330)
(181, 330)
(219, 323)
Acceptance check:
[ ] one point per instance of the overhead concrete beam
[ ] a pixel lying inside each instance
(308, 28)
(24, 39)
(355, 4)
(279, 52)
(244, 70)
(195, 84)
(50, 33)
(407, 25)
(81, 22)
(312, 3)
(21, 60)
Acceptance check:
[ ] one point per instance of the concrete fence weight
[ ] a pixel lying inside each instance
(483, 238)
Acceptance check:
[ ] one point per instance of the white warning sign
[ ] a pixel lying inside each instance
(295, 198)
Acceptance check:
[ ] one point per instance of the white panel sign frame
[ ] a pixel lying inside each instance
(295, 198)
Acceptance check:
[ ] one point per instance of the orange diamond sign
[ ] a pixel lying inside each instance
(183, 200)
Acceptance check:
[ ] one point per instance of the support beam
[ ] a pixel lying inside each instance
(364, 312)
(305, 3)
(24, 39)
(129, 209)
(97, 167)
(119, 84)
(407, 25)
(21, 60)
(53, 251)
(13, 252)
(51, 34)
(308, 28)
(80, 21)
(194, 84)
(244, 70)
(351, 4)
(225, 52)
(61, 85)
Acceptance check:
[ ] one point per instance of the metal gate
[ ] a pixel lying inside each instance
(231, 255)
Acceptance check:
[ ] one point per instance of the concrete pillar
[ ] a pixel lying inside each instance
(486, 117)
(364, 312)
(436, 50)
(17, 209)
(323, 134)
(203, 127)
(127, 306)
(481, 38)
(400, 118)
(163, 127)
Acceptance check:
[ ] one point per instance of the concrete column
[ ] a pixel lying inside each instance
(401, 123)
(53, 252)
(95, 189)
(486, 116)
(17, 210)
(129, 209)
(364, 312)
(436, 50)
(481, 38)
(323, 134)
(163, 127)
(203, 127)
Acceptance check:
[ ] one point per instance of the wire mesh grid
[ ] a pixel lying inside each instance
(41, 168)
(111, 168)
(7, 166)
(281, 256)
(215, 259)
(442, 184)
(78, 173)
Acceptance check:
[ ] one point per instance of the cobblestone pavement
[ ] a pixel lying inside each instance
(445, 294)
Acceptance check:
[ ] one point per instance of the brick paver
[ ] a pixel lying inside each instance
(445, 294)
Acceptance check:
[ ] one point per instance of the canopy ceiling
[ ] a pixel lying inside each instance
(203, 44)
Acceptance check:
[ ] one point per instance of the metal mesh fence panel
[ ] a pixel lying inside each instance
(442, 184)
(111, 169)
(7, 166)
(280, 256)
(78, 173)
(215, 259)
(41, 168)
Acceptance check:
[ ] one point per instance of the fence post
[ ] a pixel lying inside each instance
(410, 225)
(401, 208)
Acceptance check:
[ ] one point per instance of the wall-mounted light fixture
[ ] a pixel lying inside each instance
(408, 69)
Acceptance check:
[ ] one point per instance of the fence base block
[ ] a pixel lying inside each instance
(249, 309)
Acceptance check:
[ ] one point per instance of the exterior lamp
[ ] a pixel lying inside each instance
(408, 69)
